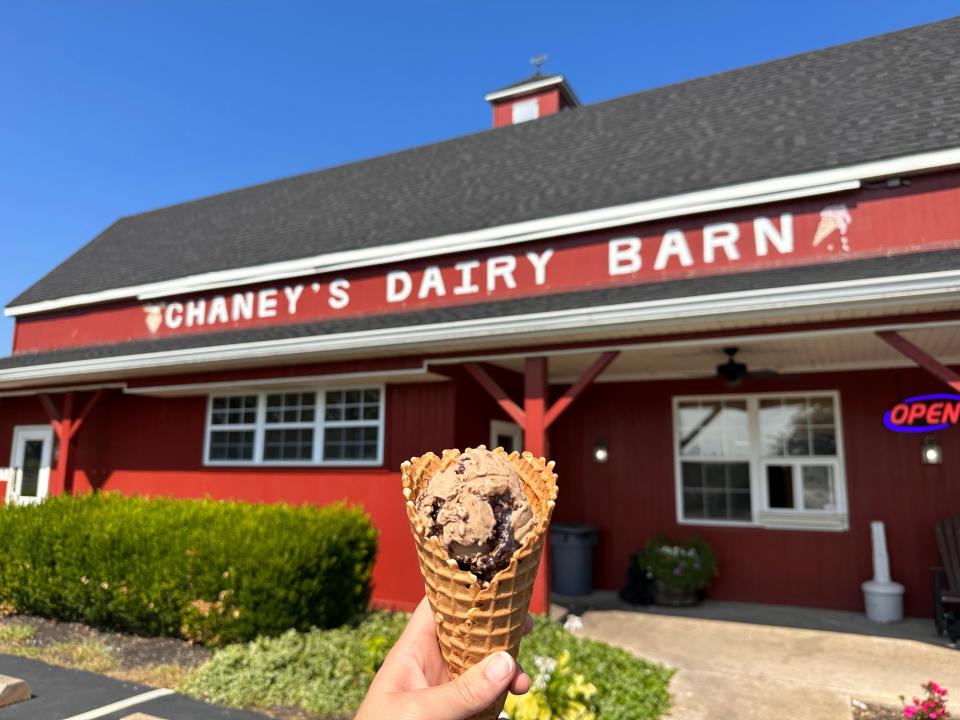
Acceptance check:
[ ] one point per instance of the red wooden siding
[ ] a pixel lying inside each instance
(631, 497)
(154, 446)
(549, 101)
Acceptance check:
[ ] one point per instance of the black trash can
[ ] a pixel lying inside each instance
(571, 558)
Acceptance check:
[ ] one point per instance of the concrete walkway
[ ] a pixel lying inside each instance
(764, 661)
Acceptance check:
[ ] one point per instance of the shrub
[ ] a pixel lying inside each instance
(210, 571)
(691, 565)
(328, 671)
(556, 693)
(322, 671)
(628, 688)
(932, 706)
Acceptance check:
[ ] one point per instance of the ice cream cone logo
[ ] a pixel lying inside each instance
(833, 218)
(153, 317)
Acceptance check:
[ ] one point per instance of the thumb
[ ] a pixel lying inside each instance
(477, 689)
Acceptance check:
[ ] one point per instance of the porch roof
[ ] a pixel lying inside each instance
(877, 287)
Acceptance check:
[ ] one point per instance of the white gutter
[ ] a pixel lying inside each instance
(673, 312)
(742, 195)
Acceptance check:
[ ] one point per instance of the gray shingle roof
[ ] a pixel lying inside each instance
(882, 97)
(781, 277)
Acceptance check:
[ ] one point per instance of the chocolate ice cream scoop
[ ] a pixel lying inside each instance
(477, 508)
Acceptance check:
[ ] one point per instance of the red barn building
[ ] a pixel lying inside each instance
(568, 281)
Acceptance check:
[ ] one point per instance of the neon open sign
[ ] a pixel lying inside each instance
(924, 413)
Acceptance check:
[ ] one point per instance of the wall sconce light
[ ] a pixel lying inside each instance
(600, 453)
(931, 453)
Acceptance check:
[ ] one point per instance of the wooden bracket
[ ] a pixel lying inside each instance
(498, 393)
(920, 357)
(571, 394)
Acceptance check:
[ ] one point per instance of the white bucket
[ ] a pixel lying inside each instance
(884, 601)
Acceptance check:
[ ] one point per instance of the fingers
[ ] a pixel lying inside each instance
(422, 627)
(528, 624)
(521, 682)
(475, 690)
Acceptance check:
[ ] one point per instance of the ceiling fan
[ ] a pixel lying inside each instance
(733, 372)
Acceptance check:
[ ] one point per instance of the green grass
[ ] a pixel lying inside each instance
(16, 632)
(328, 671)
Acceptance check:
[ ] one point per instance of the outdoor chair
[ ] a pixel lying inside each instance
(946, 578)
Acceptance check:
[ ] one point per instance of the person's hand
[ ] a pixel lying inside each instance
(413, 683)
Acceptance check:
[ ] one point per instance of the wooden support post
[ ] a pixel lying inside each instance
(66, 426)
(535, 417)
(61, 422)
(535, 400)
(920, 357)
(535, 406)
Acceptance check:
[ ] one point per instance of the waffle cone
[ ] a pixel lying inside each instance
(827, 225)
(476, 619)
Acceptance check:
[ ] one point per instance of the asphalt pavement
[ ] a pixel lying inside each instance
(61, 694)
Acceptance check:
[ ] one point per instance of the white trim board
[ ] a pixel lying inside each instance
(421, 374)
(731, 196)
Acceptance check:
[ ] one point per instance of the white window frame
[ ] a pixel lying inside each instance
(762, 515)
(319, 424)
(525, 110)
(505, 427)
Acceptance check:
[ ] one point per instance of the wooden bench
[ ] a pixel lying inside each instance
(946, 578)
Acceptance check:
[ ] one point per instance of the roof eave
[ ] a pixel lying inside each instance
(820, 182)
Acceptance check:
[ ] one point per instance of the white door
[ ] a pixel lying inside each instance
(507, 435)
(30, 464)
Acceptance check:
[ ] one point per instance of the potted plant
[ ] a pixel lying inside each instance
(679, 572)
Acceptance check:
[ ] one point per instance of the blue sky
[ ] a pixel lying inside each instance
(109, 108)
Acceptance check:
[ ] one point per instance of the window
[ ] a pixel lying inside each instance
(232, 428)
(799, 452)
(303, 427)
(525, 110)
(760, 459)
(289, 426)
(352, 425)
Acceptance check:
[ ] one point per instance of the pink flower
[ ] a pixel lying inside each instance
(936, 689)
(910, 710)
(935, 714)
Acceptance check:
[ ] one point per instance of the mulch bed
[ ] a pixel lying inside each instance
(131, 650)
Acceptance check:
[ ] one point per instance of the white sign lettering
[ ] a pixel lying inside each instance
(566, 265)
(623, 256)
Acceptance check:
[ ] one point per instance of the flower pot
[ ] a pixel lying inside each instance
(676, 597)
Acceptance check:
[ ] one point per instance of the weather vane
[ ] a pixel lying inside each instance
(538, 60)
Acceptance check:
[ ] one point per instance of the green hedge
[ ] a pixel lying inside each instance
(214, 572)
